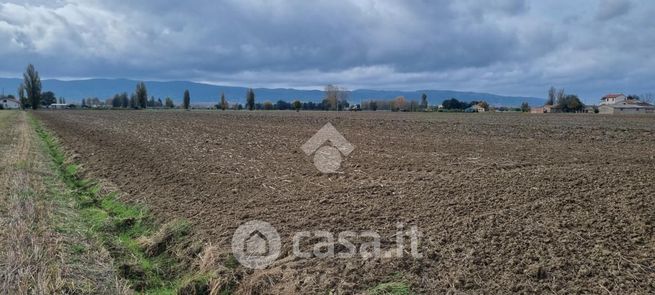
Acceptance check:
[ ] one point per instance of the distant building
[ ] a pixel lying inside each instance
(626, 107)
(552, 108)
(549, 108)
(479, 108)
(58, 106)
(612, 98)
(475, 109)
(9, 103)
(620, 104)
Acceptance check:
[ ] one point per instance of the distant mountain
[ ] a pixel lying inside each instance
(204, 94)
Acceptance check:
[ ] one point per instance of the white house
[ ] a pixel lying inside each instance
(9, 103)
(613, 98)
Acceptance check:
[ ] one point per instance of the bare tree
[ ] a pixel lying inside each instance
(560, 96)
(551, 96)
(335, 96)
(647, 97)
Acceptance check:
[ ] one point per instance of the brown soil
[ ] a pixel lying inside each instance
(506, 202)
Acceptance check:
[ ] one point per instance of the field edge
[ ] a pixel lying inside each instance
(153, 258)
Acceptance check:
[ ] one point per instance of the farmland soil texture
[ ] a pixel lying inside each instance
(504, 202)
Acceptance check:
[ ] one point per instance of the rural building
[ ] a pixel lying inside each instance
(627, 107)
(620, 104)
(613, 98)
(58, 106)
(549, 108)
(553, 108)
(478, 108)
(9, 103)
(475, 109)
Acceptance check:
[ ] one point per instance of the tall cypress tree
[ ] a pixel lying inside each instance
(32, 86)
(250, 99)
(424, 102)
(141, 95)
(223, 103)
(187, 99)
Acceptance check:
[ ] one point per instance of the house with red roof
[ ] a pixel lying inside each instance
(620, 104)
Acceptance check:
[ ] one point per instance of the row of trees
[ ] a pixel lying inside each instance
(139, 100)
(121, 100)
(336, 98)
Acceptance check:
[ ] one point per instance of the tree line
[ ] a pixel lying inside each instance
(336, 99)
(30, 95)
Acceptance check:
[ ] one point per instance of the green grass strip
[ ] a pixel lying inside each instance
(119, 227)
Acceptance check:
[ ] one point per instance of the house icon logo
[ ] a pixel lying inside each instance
(256, 244)
(327, 158)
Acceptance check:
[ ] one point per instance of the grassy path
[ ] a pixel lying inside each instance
(42, 251)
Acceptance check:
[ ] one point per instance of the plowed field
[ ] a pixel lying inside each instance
(505, 202)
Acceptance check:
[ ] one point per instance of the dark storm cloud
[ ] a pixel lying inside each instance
(609, 9)
(507, 46)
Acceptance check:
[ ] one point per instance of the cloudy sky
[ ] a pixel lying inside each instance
(510, 47)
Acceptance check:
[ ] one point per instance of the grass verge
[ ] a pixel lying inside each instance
(35, 256)
(154, 259)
